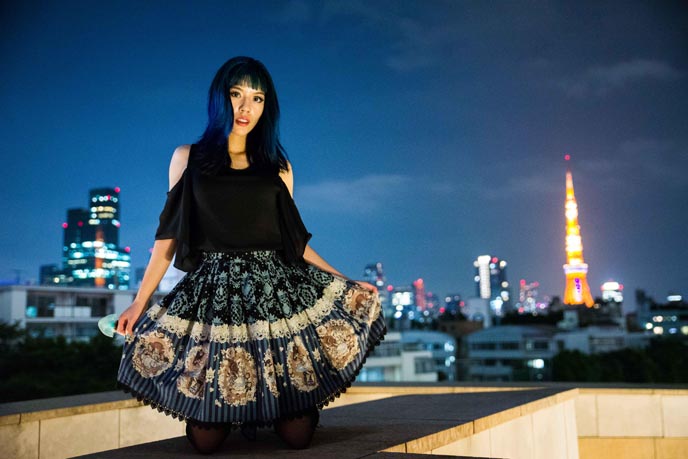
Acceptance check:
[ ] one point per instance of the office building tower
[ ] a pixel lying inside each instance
(375, 274)
(491, 283)
(528, 298)
(612, 291)
(453, 304)
(91, 255)
(419, 294)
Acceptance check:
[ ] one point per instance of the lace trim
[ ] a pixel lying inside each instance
(259, 330)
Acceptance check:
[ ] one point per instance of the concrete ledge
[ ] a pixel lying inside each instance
(366, 420)
(412, 424)
(530, 421)
(48, 408)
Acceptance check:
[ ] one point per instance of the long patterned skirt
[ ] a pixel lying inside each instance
(246, 338)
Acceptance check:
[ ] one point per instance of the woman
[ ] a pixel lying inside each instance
(261, 331)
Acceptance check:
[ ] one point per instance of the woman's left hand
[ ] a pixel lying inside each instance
(367, 285)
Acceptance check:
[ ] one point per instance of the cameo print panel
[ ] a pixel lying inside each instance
(153, 354)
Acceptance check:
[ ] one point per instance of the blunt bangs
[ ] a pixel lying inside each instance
(251, 75)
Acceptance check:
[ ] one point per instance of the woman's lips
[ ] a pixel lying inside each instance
(242, 121)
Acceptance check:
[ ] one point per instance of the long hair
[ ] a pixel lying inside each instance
(263, 147)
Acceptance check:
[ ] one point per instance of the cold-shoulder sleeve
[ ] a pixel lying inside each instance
(175, 223)
(295, 236)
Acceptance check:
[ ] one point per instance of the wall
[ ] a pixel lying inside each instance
(632, 423)
(545, 429)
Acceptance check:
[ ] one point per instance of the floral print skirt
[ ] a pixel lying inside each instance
(246, 338)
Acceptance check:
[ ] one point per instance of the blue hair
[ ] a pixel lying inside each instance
(263, 147)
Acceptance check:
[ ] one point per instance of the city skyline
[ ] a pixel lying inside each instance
(421, 138)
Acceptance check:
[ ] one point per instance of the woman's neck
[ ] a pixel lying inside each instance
(236, 142)
(236, 146)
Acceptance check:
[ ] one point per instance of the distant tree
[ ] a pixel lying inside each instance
(670, 355)
(575, 366)
(452, 315)
(514, 318)
(665, 360)
(39, 367)
(627, 365)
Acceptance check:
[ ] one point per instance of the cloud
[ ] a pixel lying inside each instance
(659, 160)
(366, 194)
(359, 195)
(640, 162)
(522, 185)
(599, 80)
(415, 43)
(293, 12)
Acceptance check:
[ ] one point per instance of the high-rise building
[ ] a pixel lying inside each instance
(419, 294)
(612, 291)
(577, 290)
(528, 298)
(432, 304)
(453, 304)
(669, 318)
(91, 256)
(403, 305)
(491, 283)
(105, 213)
(375, 274)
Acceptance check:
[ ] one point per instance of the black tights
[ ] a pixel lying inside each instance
(296, 433)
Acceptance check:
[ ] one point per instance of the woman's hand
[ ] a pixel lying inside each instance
(126, 320)
(367, 285)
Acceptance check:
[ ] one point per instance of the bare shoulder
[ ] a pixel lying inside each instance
(288, 171)
(180, 159)
(181, 154)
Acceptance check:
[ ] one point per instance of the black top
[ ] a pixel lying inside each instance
(241, 209)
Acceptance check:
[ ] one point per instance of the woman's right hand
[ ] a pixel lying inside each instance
(126, 320)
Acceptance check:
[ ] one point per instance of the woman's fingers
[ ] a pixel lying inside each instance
(367, 286)
(121, 324)
(130, 327)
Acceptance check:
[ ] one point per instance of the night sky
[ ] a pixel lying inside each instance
(422, 134)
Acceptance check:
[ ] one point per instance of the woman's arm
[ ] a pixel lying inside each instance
(310, 255)
(163, 249)
(161, 256)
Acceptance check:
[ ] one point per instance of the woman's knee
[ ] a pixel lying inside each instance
(206, 441)
(297, 433)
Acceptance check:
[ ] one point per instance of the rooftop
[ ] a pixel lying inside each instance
(380, 421)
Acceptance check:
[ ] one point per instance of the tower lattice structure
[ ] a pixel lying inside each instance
(577, 290)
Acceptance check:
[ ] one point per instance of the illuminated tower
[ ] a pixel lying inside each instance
(577, 289)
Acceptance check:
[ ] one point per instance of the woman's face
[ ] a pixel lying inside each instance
(248, 104)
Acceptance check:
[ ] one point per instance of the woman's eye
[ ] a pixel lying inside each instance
(258, 99)
(234, 93)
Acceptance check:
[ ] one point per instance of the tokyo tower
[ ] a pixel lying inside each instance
(577, 289)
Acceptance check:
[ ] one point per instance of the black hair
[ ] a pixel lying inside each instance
(263, 148)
